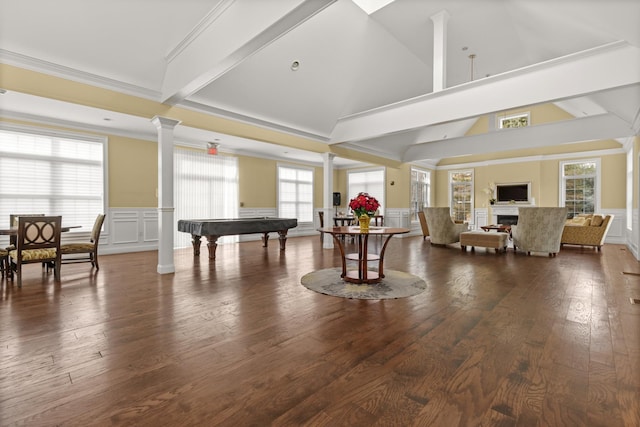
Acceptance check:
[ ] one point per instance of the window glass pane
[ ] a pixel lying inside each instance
(369, 181)
(579, 182)
(420, 192)
(295, 193)
(68, 171)
(461, 183)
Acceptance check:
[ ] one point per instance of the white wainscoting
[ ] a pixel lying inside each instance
(130, 230)
(618, 230)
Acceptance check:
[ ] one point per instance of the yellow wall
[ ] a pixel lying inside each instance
(133, 172)
(544, 176)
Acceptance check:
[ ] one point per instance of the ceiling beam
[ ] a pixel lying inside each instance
(592, 128)
(610, 66)
(231, 32)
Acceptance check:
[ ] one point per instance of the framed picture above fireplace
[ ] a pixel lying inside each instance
(513, 192)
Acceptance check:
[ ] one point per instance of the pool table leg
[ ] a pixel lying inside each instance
(212, 246)
(195, 241)
(283, 238)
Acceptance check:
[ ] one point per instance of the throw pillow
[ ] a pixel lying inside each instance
(587, 223)
(596, 221)
(577, 220)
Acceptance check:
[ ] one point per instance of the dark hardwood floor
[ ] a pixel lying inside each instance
(495, 340)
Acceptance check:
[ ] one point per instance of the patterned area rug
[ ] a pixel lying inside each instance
(395, 284)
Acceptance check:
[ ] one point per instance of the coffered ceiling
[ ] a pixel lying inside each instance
(329, 72)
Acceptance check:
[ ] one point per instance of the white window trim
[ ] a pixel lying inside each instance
(561, 189)
(428, 172)
(73, 135)
(383, 202)
(313, 186)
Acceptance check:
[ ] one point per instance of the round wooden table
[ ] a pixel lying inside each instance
(362, 257)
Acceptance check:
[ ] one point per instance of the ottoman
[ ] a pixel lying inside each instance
(484, 239)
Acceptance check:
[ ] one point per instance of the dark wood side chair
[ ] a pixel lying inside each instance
(321, 215)
(423, 225)
(38, 241)
(85, 251)
(4, 261)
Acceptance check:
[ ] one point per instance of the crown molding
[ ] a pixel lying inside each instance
(50, 68)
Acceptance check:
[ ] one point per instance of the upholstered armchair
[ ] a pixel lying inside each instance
(539, 229)
(442, 229)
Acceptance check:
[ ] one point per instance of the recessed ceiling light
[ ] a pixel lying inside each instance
(2, 91)
(464, 48)
(295, 65)
(107, 119)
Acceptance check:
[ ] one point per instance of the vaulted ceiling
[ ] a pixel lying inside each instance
(329, 72)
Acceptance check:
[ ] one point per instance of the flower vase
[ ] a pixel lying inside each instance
(364, 221)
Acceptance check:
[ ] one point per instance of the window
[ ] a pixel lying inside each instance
(53, 173)
(295, 193)
(420, 191)
(630, 189)
(461, 195)
(204, 186)
(513, 121)
(579, 181)
(367, 181)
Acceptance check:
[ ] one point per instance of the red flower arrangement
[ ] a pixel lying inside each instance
(363, 203)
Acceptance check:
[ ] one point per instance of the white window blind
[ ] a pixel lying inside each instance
(205, 187)
(52, 173)
(367, 181)
(295, 193)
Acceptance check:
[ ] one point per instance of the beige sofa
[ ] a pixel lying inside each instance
(586, 230)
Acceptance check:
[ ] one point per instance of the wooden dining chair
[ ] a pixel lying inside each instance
(4, 261)
(13, 222)
(321, 216)
(85, 251)
(38, 241)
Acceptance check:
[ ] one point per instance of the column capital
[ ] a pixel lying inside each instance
(165, 122)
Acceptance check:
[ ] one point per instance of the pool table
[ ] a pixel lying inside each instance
(214, 228)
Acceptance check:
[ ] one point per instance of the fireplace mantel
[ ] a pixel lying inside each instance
(505, 210)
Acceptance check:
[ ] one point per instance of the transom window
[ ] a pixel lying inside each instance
(52, 173)
(514, 121)
(579, 182)
(461, 195)
(295, 193)
(420, 191)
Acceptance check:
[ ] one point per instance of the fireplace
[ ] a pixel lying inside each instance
(507, 219)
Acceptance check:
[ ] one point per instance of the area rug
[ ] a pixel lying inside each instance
(395, 284)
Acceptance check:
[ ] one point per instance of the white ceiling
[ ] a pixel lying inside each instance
(364, 81)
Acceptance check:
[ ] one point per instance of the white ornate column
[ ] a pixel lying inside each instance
(327, 199)
(166, 224)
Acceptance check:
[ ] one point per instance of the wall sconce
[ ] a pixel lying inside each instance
(212, 148)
